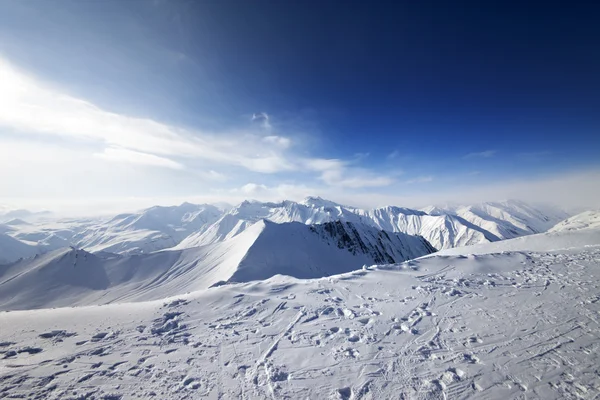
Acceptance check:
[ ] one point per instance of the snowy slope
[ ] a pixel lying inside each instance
(496, 326)
(585, 220)
(12, 249)
(314, 251)
(548, 241)
(70, 277)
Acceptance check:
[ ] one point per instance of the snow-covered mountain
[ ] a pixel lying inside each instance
(486, 222)
(585, 220)
(188, 225)
(247, 213)
(22, 214)
(504, 320)
(506, 219)
(149, 230)
(153, 229)
(70, 277)
(12, 249)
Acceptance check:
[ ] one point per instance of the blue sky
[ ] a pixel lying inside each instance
(418, 102)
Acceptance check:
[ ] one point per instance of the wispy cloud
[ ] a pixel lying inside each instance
(279, 141)
(136, 157)
(335, 172)
(420, 179)
(361, 156)
(393, 155)
(261, 118)
(481, 154)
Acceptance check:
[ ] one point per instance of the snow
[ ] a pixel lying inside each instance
(506, 323)
(493, 221)
(302, 300)
(585, 220)
(188, 225)
(549, 241)
(68, 277)
(506, 219)
(12, 249)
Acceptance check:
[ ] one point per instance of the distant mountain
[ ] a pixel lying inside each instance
(70, 277)
(189, 225)
(152, 229)
(506, 219)
(12, 249)
(442, 231)
(24, 215)
(16, 221)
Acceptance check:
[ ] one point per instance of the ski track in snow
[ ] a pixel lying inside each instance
(499, 326)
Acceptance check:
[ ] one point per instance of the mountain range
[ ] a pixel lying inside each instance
(161, 251)
(189, 225)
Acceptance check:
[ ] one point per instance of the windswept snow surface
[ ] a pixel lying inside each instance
(69, 277)
(511, 325)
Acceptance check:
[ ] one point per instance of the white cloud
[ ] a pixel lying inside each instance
(481, 154)
(136, 157)
(279, 141)
(32, 107)
(212, 175)
(252, 189)
(335, 172)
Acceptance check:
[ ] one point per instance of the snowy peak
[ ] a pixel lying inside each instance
(312, 251)
(188, 225)
(318, 202)
(443, 228)
(382, 246)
